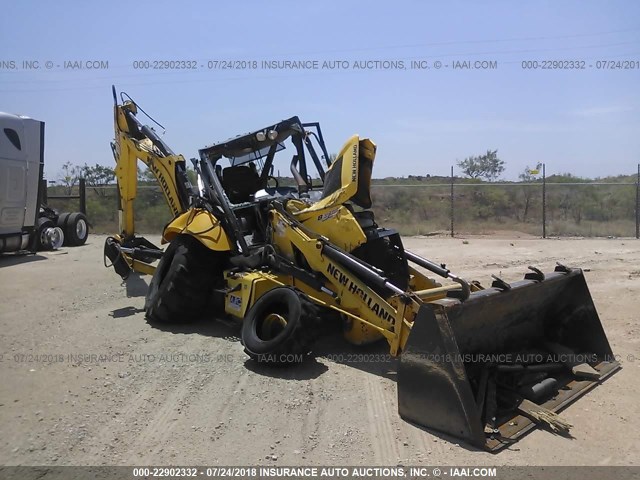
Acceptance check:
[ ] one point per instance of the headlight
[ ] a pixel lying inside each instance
(261, 137)
(272, 134)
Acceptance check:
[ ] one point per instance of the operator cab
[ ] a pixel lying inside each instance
(254, 158)
(274, 162)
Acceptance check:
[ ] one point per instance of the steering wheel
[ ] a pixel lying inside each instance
(274, 179)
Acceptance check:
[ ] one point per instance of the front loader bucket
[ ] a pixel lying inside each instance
(469, 367)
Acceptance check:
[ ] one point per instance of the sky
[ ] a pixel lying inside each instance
(584, 121)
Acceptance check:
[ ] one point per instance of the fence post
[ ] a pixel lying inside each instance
(83, 196)
(544, 201)
(452, 208)
(638, 204)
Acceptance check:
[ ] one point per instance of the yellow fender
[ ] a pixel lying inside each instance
(200, 224)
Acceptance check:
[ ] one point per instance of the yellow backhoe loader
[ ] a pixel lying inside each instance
(482, 364)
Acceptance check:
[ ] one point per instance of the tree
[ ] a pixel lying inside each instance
(471, 167)
(97, 177)
(528, 176)
(192, 175)
(69, 176)
(487, 166)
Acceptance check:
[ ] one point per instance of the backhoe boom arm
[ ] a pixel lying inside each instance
(133, 142)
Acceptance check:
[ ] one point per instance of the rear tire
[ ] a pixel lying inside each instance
(182, 287)
(76, 229)
(280, 327)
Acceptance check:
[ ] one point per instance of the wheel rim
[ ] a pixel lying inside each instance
(44, 236)
(56, 237)
(52, 237)
(81, 229)
(272, 326)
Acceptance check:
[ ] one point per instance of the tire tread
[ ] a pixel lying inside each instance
(186, 289)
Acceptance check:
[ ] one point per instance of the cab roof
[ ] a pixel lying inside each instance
(247, 147)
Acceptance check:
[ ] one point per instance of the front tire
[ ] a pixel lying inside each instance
(182, 287)
(49, 237)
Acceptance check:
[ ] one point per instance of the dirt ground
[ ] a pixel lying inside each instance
(188, 395)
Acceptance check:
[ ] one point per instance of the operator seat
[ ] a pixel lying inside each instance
(240, 183)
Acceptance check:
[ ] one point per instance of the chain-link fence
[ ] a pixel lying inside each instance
(554, 209)
(454, 206)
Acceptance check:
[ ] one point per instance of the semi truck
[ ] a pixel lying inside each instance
(27, 223)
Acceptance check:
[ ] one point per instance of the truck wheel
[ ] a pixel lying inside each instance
(76, 229)
(61, 222)
(280, 327)
(56, 238)
(48, 235)
(183, 285)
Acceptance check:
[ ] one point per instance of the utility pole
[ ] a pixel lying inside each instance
(452, 209)
(638, 203)
(544, 201)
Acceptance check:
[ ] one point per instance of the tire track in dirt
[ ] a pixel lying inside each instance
(383, 437)
(141, 420)
(424, 442)
(312, 419)
(209, 403)
(114, 429)
(158, 428)
(191, 397)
